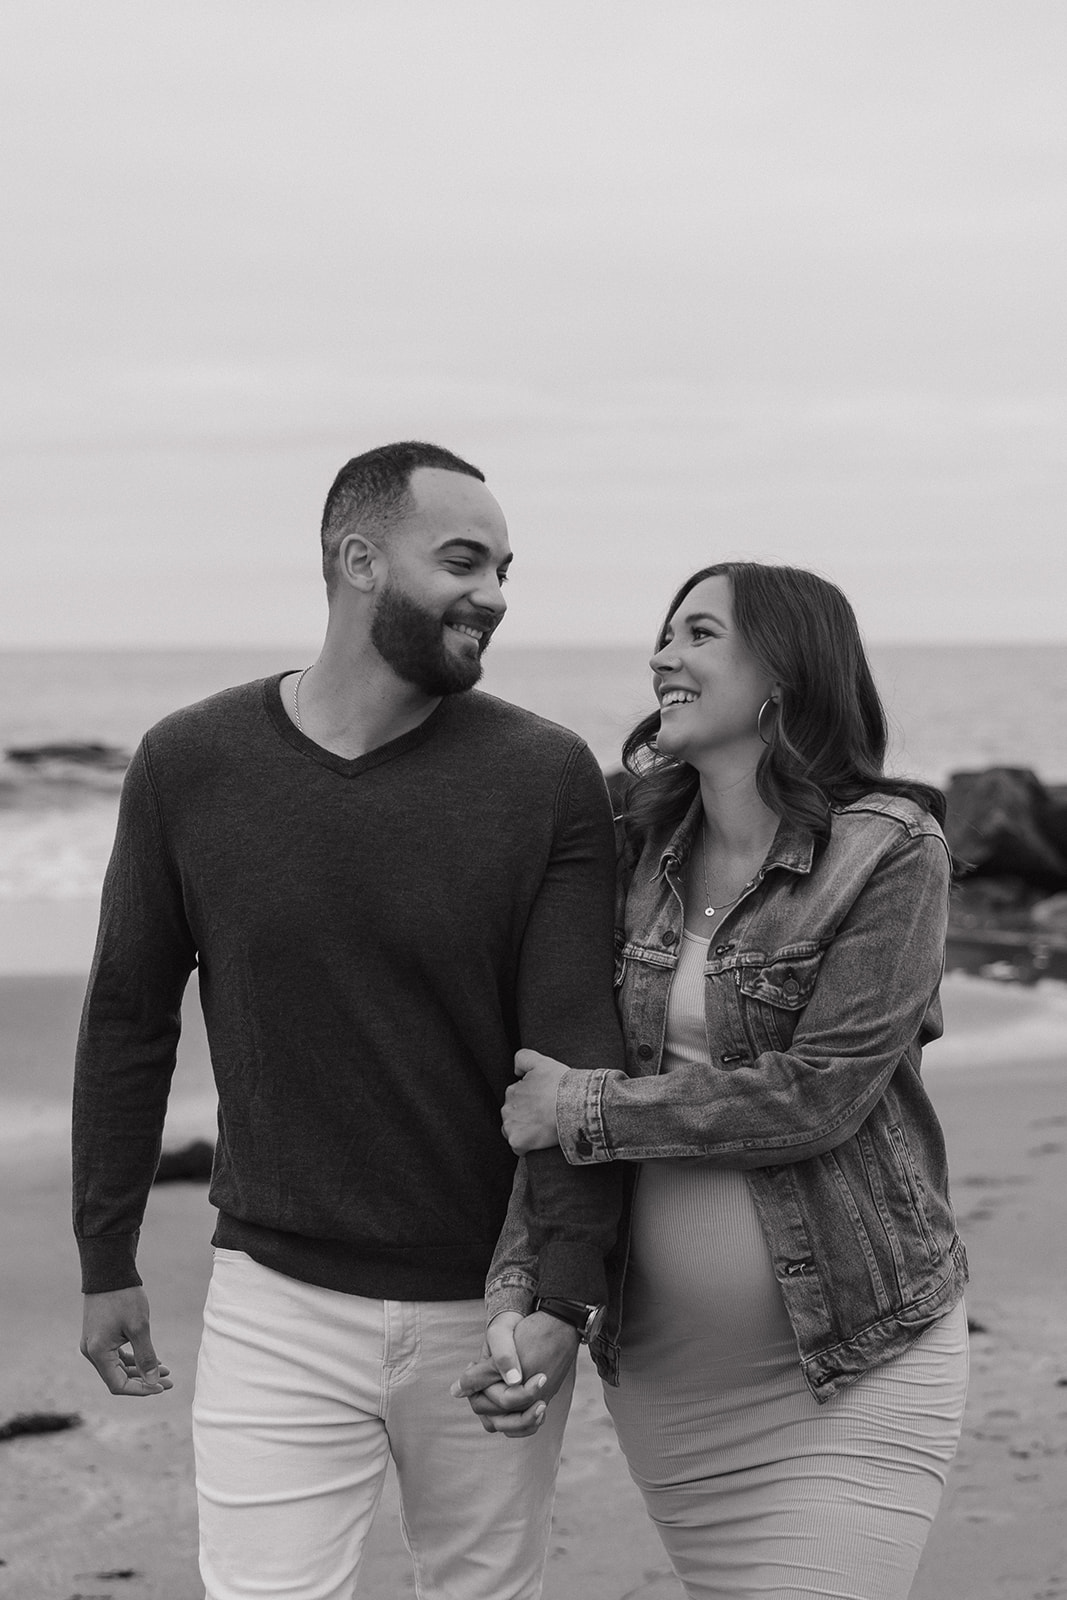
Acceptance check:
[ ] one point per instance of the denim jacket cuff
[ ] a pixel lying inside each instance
(579, 1118)
(511, 1290)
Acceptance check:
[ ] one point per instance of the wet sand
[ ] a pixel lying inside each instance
(114, 1495)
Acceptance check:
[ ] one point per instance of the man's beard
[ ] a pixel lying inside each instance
(412, 641)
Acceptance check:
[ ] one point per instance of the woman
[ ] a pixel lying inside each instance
(786, 1332)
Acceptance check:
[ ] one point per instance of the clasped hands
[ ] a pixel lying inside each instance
(502, 1399)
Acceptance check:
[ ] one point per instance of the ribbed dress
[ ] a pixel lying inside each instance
(756, 1488)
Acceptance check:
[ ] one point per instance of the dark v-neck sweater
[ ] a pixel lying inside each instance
(375, 938)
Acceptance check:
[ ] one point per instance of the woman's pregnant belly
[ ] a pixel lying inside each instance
(700, 1291)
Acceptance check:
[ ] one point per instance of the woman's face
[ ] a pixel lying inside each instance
(709, 685)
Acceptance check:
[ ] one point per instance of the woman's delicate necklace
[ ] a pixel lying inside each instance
(296, 699)
(709, 909)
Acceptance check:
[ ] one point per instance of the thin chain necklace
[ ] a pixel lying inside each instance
(709, 909)
(296, 697)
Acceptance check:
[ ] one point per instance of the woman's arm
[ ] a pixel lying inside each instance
(875, 985)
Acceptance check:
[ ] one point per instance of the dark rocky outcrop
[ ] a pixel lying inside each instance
(39, 1422)
(61, 773)
(1004, 823)
(1008, 834)
(81, 753)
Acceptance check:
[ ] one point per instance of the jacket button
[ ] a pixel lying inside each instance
(791, 986)
(669, 938)
(645, 1052)
(582, 1146)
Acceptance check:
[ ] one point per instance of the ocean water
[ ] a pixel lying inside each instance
(951, 708)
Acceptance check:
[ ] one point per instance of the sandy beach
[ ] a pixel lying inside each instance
(106, 1508)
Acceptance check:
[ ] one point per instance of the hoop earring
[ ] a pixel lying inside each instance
(770, 701)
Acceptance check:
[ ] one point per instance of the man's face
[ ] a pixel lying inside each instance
(442, 597)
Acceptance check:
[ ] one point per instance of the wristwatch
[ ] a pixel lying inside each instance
(585, 1319)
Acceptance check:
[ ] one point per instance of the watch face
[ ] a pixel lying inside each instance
(595, 1323)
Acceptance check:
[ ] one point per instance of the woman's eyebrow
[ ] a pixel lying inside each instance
(704, 616)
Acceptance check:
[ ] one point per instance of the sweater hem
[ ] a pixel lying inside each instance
(415, 1272)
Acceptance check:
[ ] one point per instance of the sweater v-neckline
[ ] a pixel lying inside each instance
(344, 766)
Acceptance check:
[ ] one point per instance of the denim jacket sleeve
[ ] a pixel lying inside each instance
(876, 984)
(566, 1010)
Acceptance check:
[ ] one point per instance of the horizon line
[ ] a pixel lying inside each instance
(302, 647)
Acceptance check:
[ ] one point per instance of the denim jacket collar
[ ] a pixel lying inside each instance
(792, 847)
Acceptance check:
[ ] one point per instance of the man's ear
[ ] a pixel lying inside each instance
(360, 562)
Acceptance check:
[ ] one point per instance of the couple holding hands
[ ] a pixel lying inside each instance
(733, 1187)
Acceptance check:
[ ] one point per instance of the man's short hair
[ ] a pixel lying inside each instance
(372, 492)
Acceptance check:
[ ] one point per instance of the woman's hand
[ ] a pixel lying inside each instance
(529, 1115)
(499, 1397)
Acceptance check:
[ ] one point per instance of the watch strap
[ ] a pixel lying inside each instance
(581, 1317)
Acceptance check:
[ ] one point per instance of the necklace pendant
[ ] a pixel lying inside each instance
(709, 911)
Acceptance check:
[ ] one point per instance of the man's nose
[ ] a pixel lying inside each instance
(489, 596)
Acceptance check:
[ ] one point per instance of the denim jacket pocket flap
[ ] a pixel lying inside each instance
(786, 980)
(647, 954)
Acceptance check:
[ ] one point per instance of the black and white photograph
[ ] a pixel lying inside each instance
(533, 800)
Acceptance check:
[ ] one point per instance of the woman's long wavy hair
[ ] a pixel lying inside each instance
(826, 740)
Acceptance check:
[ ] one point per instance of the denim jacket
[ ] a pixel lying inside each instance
(822, 988)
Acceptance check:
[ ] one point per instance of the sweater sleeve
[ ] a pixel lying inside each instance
(566, 1010)
(128, 1038)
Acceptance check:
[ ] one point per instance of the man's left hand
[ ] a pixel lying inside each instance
(529, 1115)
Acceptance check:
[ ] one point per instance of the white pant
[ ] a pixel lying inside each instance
(302, 1394)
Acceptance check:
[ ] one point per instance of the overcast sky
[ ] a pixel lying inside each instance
(769, 278)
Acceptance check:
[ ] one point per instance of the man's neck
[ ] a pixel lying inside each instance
(350, 701)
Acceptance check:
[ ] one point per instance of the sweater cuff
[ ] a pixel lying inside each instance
(571, 1271)
(109, 1263)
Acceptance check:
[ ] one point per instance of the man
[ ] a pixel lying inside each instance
(388, 883)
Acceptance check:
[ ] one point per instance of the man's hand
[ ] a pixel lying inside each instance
(540, 1346)
(529, 1114)
(112, 1321)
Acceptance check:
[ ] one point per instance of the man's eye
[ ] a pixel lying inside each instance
(502, 578)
